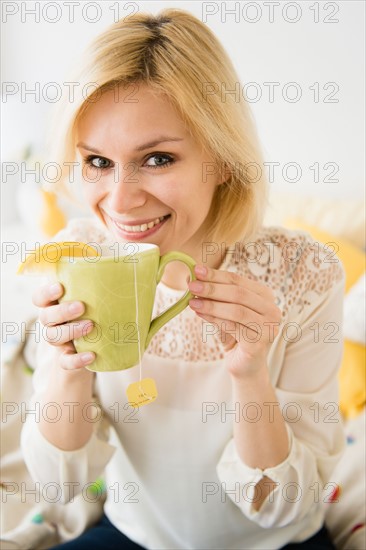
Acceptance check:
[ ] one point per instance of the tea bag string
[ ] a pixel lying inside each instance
(138, 331)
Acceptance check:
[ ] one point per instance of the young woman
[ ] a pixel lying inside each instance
(239, 444)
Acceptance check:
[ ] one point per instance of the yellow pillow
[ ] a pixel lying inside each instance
(352, 379)
(353, 259)
(352, 375)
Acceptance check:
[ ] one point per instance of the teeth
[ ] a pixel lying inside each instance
(139, 228)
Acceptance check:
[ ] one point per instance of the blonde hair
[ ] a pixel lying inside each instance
(176, 54)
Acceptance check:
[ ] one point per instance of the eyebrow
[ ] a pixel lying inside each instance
(142, 147)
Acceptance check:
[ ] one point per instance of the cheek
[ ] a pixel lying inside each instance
(169, 192)
(92, 194)
(204, 181)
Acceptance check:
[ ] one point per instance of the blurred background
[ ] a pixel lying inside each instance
(301, 67)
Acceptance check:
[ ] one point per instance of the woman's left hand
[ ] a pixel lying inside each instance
(244, 312)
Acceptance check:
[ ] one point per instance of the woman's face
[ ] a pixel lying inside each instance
(144, 175)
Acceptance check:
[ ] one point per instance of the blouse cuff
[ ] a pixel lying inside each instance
(69, 472)
(230, 459)
(232, 471)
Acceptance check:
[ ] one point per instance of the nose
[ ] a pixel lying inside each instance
(126, 190)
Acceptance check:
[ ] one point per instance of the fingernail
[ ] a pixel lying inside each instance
(196, 286)
(200, 270)
(55, 289)
(86, 326)
(196, 304)
(87, 357)
(75, 307)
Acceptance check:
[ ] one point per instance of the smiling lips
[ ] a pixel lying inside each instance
(140, 228)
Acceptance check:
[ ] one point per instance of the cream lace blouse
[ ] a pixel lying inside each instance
(172, 474)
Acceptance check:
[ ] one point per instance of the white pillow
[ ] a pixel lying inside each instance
(354, 323)
(341, 217)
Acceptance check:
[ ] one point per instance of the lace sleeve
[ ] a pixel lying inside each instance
(46, 462)
(307, 392)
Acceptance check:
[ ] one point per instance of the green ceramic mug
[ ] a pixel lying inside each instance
(121, 314)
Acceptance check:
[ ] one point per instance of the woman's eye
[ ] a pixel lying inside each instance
(159, 160)
(98, 162)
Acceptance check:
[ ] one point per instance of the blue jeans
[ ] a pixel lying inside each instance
(104, 536)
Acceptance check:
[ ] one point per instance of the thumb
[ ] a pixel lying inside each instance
(227, 340)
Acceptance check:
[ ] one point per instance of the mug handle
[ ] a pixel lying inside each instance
(182, 303)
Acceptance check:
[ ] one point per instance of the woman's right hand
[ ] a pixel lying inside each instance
(62, 325)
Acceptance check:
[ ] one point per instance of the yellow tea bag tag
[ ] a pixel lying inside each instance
(142, 392)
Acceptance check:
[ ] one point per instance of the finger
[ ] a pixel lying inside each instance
(69, 360)
(204, 273)
(61, 334)
(47, 294)
(226, 311)
(229, 330)
(227, 339)
(61, 313)
(228, 326)
(235, 294)
(250, 332)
